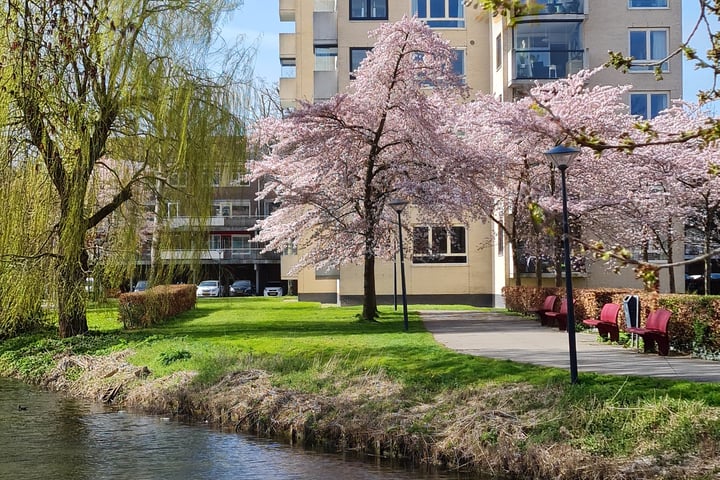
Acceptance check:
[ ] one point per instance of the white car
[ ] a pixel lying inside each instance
(208, 288)
(273, 289)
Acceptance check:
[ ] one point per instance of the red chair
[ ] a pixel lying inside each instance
(559, 318)
(607, 323)
(655, 331)
(547, 306)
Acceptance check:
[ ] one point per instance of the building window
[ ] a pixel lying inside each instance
(173, 209)
(498, 52)
(648, 4)
(439, 245)
(647, 47)
(368, 10)
(648, 105)
(357, 55)
(458, 64)
(326, 58)
(236, 208)
(240, 245)
(440, 13)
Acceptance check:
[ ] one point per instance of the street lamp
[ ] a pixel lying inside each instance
(562, 156)
(399, 206)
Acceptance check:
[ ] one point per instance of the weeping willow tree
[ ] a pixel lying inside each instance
(102, 104)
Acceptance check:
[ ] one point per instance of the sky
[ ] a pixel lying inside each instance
(259, 20)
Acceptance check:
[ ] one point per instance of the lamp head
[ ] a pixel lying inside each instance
(398, 205)
(562, 156)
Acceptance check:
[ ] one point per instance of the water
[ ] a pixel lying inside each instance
(46, 436)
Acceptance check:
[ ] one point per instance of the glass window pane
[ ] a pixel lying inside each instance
(658, 103)
(658, 44)
(420, 241)
(437, 8)
(459, 63)
(357, 8)
(378, 8)
(357, 55)
(456, 8)
(638, 104)
(457, 240)
(439, 240)
(420, 8)
(638, 45)
(648, 3)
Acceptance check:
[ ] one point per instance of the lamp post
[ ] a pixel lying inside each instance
(562, 156)
(395, 255)
(399, 206)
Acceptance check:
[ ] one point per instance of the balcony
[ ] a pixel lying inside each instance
(325, 28)
(216, 223)
(326, 85)
(288, 89)
(546, 65)
(287, 47)
(227, 255)
(287, 10)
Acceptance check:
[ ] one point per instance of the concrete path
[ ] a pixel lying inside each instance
(522, 339)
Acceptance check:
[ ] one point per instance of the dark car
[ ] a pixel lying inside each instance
(242, 288)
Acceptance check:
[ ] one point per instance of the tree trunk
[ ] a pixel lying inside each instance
(369, 311)
(72, 318)
(73, 262)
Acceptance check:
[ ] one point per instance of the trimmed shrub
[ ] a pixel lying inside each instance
(155, 305)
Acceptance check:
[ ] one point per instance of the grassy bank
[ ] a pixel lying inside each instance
(315, 375)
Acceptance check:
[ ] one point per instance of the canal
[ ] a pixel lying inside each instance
(46, 436)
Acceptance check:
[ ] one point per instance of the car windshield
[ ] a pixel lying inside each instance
(241, 283)
(274, 284)
(208, 283)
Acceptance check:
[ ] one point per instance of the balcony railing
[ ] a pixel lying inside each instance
(225, 255)
(554, 7)
(547, 64)
(216, 222)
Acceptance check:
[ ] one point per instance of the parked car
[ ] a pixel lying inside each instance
(241, 288)
(273, 288)
(141, 286)
(209, 288)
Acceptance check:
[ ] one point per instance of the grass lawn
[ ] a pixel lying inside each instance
(318, 349)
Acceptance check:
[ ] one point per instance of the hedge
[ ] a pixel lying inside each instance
(155, 305)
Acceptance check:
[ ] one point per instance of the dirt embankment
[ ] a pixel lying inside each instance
(479, 430)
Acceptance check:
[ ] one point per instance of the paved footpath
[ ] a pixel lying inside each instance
(523, 339)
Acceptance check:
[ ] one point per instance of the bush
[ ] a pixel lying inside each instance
(142, 309)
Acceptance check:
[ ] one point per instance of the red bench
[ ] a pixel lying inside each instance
(559, 318)
(655, 331)
(607, 323)
(547, 306)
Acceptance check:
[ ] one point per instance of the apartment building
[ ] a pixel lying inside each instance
(556, 39)
(229, 253)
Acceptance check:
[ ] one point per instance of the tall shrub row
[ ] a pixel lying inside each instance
(142, 309)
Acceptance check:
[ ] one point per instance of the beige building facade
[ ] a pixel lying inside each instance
(559, 38)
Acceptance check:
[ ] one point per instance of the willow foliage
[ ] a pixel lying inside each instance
(103, 106)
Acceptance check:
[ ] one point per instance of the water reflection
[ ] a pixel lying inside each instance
(52, 437)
